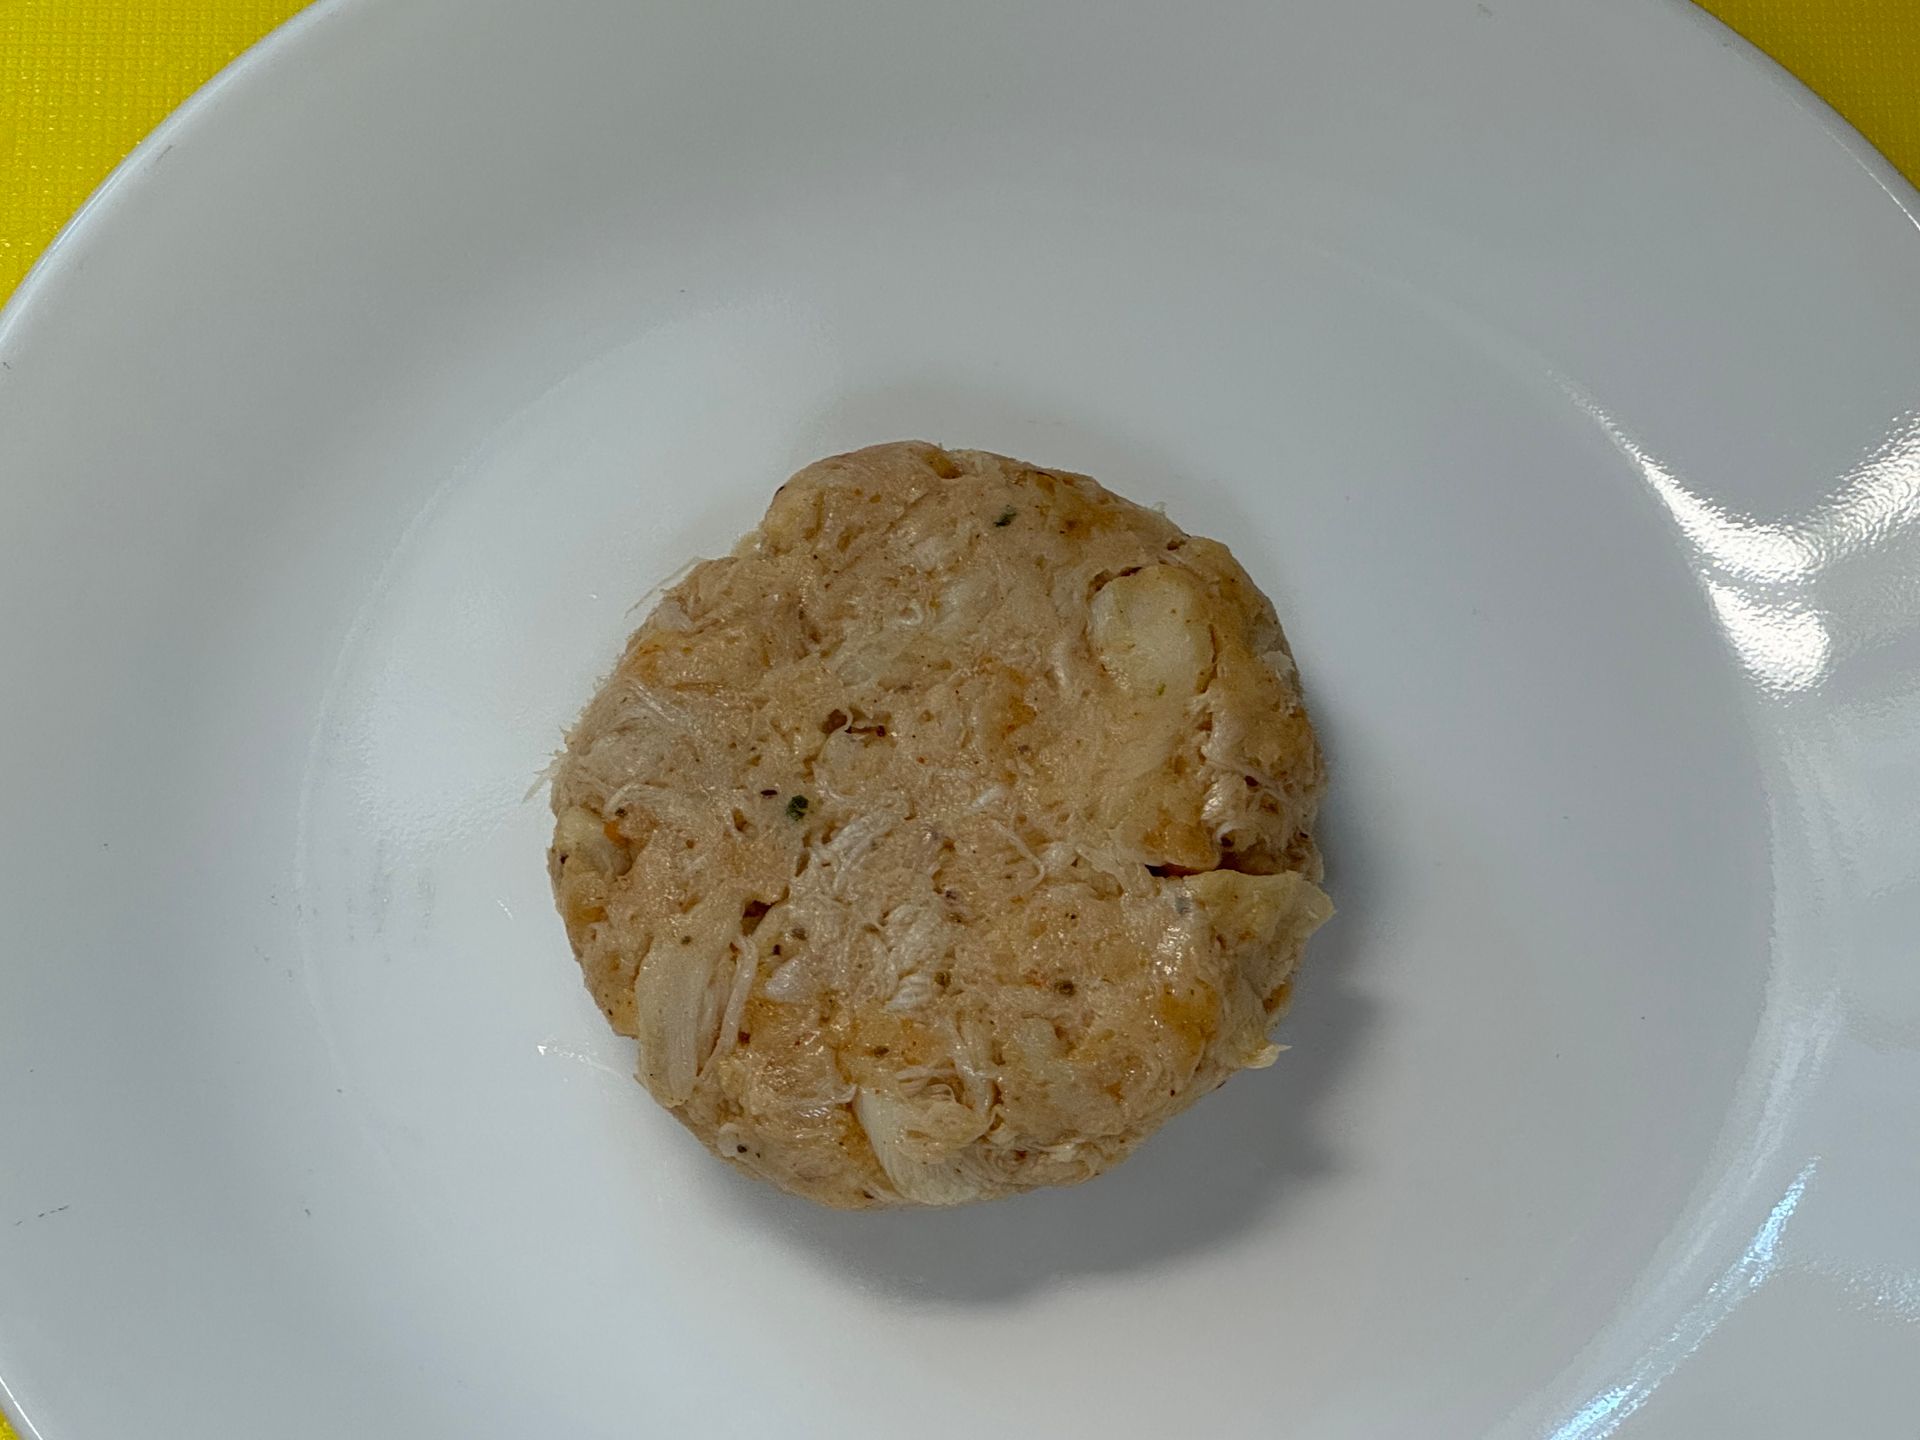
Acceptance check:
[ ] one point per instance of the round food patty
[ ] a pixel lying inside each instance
(949, 836)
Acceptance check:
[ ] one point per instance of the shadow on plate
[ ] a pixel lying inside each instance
(1225, 1167)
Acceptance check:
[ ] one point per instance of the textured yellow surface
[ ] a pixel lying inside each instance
(82, 80)
(1861, 56)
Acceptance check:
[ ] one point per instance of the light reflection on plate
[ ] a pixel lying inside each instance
(1553, 368)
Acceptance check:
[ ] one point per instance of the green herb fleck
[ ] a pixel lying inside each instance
(796, 807)
(1006, 518)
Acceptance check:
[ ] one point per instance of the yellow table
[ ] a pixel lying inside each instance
(82, 80)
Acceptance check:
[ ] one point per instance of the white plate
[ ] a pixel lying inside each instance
(1554, 366)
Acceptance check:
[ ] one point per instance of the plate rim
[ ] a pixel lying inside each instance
(281, 45)
(60, 262)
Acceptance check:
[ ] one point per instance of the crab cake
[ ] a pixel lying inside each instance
(946, 838)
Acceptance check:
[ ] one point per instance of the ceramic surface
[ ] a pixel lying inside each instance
(1554, 365)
